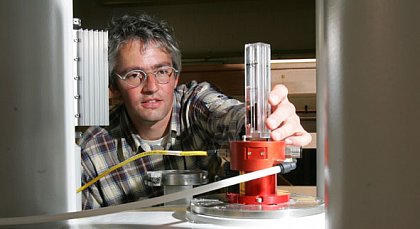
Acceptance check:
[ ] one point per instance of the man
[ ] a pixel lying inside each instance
(157, 113)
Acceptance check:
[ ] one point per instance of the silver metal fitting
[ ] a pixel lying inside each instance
(293, 151)
(176, 181)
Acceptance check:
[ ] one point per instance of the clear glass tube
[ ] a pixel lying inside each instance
(257, 89)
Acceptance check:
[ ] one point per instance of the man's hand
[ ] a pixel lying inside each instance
(284, 122)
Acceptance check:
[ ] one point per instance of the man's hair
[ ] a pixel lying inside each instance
(144, 28)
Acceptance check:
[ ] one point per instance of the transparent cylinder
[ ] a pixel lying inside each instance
(257, 89)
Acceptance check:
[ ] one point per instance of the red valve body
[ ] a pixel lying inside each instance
(249, 156)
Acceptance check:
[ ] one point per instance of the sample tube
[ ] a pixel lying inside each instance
(257, 89)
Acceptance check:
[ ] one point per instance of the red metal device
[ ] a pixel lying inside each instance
(249, 156)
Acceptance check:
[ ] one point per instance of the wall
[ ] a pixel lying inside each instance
(218, 30)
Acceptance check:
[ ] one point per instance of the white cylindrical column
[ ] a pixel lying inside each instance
(368, 93)
(37, 166)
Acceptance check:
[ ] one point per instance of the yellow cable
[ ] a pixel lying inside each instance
(148, 153)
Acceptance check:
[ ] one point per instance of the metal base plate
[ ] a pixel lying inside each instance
(298, 206)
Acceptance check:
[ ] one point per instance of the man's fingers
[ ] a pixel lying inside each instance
(278, 94)
(287, 128)
(299, 140)
(282, 112)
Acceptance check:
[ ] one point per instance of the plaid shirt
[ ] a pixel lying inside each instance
(202, 119)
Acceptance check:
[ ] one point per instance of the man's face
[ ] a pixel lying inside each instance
(150, 102)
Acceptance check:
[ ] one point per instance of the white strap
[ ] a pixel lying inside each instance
(141, 204)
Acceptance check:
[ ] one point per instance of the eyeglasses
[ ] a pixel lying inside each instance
(135, 77)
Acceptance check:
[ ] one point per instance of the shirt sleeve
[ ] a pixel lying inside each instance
(209, 120)
(215, 120)
(220, 116)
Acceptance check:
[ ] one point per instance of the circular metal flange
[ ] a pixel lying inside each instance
(176, 178)
(298, 206)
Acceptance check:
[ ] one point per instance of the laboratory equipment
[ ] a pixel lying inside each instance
(257, 199)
